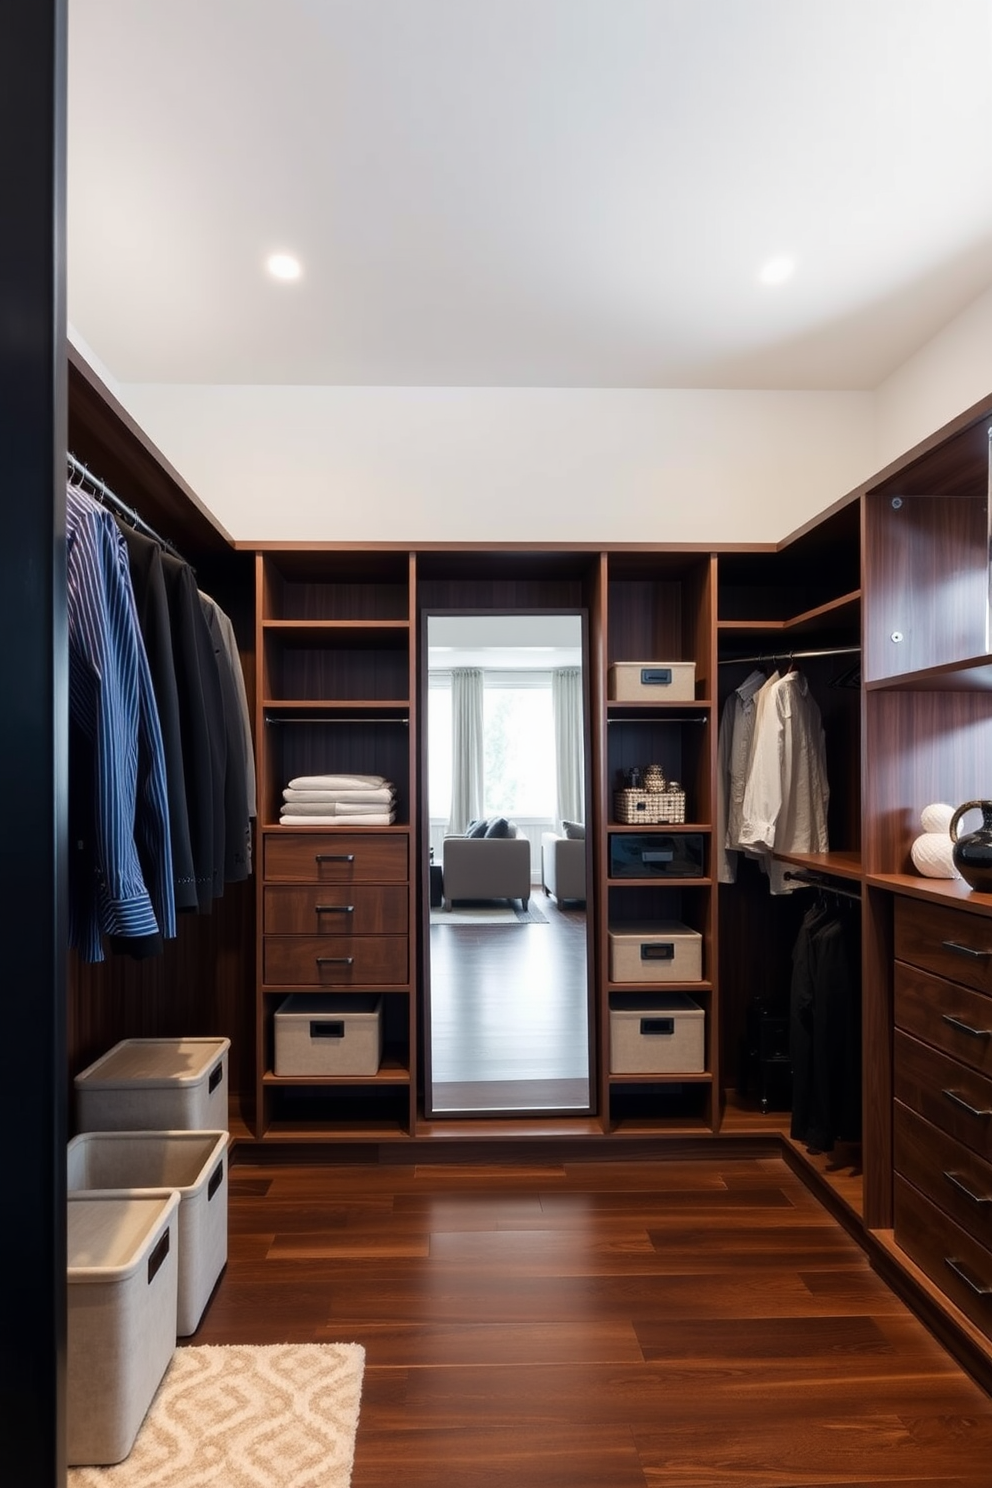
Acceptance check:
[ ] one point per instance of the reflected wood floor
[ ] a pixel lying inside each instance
(618, 1324)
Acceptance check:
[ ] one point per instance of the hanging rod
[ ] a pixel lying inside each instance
(816, 881)
(332, 718)
(104, 494)
(790, 655)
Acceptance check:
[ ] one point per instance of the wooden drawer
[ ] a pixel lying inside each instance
(951, 1017)
(365, 909)
(335, 960)
(314, 857)
(954, 1098)
(951, 1176)
(954, 1261)
(949, 942)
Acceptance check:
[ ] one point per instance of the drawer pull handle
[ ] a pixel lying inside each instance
(981, 1033)
(963, 950)
(960, 1184)
(978, 1287)
(350, 858)
(334, 909)
(335, 960)
(959, 1100)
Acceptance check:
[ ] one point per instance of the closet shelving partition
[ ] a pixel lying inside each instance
(336, 695)
(661, 606)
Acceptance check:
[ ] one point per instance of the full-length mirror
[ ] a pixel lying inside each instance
(508, 1008)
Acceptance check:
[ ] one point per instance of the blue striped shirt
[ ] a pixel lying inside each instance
(121, 860)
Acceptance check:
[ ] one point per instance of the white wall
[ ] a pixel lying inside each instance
(946, 376)
(510, 464)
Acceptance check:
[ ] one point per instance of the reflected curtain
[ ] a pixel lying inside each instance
(466, 747)
(566, 693)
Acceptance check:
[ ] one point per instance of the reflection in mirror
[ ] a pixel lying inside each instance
(508, 1007)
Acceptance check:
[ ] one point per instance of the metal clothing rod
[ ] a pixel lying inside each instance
(104, 494)
(817, 882)
(332, 718)
(789, 655)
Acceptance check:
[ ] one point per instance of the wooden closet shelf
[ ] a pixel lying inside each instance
(834, 864)
(971, 675)
(842, 611)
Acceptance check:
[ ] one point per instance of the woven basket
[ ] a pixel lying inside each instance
(633, 806)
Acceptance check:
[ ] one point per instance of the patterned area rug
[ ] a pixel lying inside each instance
(502, 912)
(280, 1416)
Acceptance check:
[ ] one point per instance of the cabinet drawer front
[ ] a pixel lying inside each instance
(951, 1017)
(950, 942)
(951, 1176)
(953, 1260)
(361, 910)
(315, 858)
(335, 960)
(956, 1099)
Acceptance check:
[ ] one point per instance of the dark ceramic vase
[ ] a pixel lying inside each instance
(972, 853)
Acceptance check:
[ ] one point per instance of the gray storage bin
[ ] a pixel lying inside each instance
(121, 1320)
(328, 1035)
(191, 1163)
(652, 681)
(660, 1035)
(656, 951)
(156, 1084)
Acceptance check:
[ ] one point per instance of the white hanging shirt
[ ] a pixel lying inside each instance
(733, 752)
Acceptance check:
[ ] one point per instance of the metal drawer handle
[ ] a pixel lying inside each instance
(959, 1184)
(978, 1287)
(350, 858)
(959, 1100)
(963, 950)
(982, 1033)
(334, 909)
(335, 960)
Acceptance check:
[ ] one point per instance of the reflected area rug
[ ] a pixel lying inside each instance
(278, 1416)
(489, 912)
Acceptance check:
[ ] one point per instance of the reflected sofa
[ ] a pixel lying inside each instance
(485, 868)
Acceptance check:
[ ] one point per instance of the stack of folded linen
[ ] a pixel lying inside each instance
(338, 801)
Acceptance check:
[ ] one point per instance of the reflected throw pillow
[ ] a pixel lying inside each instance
(575, 831)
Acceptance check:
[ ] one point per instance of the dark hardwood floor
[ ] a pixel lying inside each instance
(692, 1323)
(509, 1015)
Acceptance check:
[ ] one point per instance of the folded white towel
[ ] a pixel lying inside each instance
(379, 819)
(337, 782)
(338, 808)
(383, 793)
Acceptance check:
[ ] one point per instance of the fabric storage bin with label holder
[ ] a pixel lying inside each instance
(328, 1036)
(657, 856)
(156, 1084)
(652, 681)
(657, 1034)
(655, 951)
(121, 1320)
(143, 1163)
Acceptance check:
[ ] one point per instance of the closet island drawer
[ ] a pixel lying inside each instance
(335, 960)
(954, 1098)
(952, 1177)
(954, 1261)
(379, 909)
(948, 1016)
(950, 942)
(298, 857)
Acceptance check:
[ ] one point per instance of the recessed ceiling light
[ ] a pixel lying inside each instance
(283, 266)
(778, 269)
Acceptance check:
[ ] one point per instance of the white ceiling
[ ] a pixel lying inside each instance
(526, 192)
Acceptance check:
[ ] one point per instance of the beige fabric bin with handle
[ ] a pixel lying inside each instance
(156, 1084)
(121, 1320)
(652, 682)
(656, 1034)
(190, 1163)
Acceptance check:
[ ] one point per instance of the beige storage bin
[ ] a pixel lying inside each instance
(121, 1321)
(191, 1163)
(652, 681)
(656, 1035)
(328, 1035)
(657, 951)
(156, 1084)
